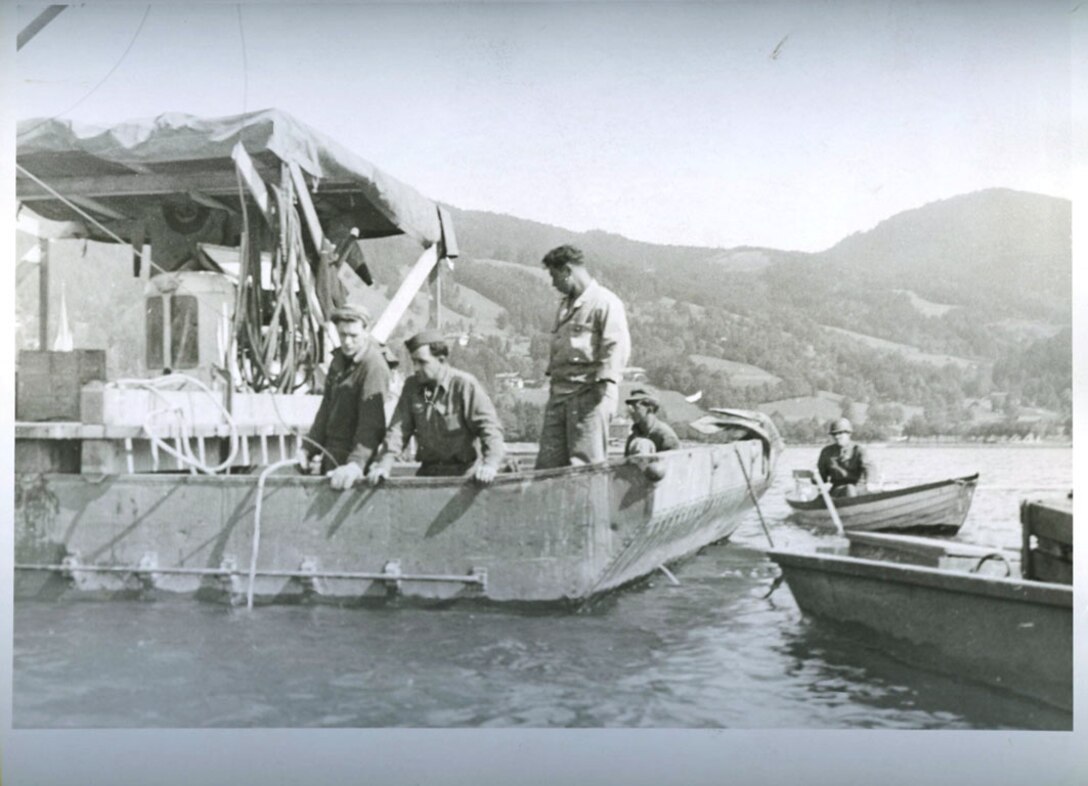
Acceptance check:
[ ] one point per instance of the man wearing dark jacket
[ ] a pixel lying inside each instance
(845, 465)
(350, 423)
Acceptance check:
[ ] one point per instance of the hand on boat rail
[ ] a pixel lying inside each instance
(345, 476)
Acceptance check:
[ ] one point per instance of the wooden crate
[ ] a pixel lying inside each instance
(48, 384)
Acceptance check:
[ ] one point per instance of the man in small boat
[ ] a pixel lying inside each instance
(449, 413)
(845, 465)
(350, 422)
(649, 434)
(590, 346)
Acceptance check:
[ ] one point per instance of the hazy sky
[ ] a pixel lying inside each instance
(779, 124)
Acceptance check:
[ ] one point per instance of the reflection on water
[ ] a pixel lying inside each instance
(712, 652)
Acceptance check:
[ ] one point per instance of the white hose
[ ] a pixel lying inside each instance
(257, 524)
(186, 455)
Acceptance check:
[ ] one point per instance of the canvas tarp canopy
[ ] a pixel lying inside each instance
(121, 172)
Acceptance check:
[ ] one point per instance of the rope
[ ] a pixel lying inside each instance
(85, 214)
(752, 494)
(101, 82)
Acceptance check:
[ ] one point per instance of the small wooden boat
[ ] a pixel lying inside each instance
(952, 607)
(935, 508)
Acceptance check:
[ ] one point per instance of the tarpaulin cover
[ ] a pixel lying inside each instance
(108, 165)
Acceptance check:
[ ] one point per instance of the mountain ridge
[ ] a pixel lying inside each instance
(982, 276)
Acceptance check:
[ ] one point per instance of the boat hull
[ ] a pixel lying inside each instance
(550, 535)
(1010, 633)
(934, 508)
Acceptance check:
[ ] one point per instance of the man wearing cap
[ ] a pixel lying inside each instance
(845, 465)
(350, 421)
(448, 412)
(648, 433)
(590, 346)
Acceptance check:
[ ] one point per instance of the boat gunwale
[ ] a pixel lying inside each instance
(1005, 588)
(406, 481)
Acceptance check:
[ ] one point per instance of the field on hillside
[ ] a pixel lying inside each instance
(908, 352)
(536, 271)
(926, 307)
(738, 373)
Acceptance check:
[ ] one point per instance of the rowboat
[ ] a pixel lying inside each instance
(948, 606)
(936, 508)
(559, 535)
(125, 486)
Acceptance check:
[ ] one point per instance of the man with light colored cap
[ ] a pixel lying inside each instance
(449, 413)
(350, 422)
(649, 434)
(845, 465)
(589, 349)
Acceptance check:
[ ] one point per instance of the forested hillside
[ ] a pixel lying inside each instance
(959, 310)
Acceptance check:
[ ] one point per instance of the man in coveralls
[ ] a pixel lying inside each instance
(589, 350)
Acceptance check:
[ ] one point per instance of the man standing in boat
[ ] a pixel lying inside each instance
(649, 434)
(350, 422)
(589, 349)
(448, 412)
(845, 465)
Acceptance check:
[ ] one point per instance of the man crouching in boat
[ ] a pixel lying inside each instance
(649, 434)
(589, 350)
(845, 465)
(448, 412)
(350, 421)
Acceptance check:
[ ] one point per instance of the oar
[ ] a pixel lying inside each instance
(830, 505)
(752, 494)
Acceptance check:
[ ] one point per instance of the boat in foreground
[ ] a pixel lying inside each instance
(936, 508)
(549, 535)
(963, 610)
(250, 219)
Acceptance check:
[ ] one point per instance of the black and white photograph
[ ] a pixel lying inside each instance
(566, 367)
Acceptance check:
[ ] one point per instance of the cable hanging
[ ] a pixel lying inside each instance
(277, 332)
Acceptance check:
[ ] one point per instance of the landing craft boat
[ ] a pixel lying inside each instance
(934, 508)
(949, 606)
(126, 485)
(548, 535)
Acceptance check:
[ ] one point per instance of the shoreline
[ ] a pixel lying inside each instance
(941, 443)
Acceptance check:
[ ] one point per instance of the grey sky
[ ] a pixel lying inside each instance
(779, 124)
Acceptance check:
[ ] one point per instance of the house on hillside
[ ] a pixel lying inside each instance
(509, 380)
(979, 408)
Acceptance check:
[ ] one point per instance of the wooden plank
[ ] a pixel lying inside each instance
(308, 211)
(251, 177)
(1048, 521)
(97, 207)
(208, 201)
(43, 294)
(1047, 568)
(37, 24)
(387, 322)
(223, 183)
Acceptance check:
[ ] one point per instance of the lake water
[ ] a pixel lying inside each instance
(712, 652)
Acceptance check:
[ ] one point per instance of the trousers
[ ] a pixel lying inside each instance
(575, 429)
